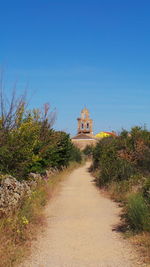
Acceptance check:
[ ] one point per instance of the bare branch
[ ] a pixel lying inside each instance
(9, 108)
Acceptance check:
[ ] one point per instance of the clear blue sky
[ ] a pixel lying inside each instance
(76, 53)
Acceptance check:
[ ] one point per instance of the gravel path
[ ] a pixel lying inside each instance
(79, 231)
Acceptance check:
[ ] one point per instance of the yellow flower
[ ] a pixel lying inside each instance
(25, 220)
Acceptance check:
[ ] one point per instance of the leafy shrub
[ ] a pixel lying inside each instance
(123, 165)
(75, 154)
(28, 143)
(112, 167)
(120, 157)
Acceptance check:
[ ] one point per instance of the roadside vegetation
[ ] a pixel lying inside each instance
(29, 145)
(20, 228)
(121, 166)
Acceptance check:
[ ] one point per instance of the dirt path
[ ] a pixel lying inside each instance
(79, 232)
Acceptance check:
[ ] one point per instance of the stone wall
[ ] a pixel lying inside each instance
(12, 191)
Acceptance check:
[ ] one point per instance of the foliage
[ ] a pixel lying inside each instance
(28, 143)
(76, 154)
(112, 167)
(122, 164)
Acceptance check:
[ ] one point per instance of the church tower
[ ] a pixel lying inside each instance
(85, 124)
(85, 134)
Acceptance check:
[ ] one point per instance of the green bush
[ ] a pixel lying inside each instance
(137, 213)
(29, 144)
(119, 158)
(114, 170)
(123, 165)
(112, 167)
(76, 154)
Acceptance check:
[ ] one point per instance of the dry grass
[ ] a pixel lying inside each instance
(142, 243)
(18, 230)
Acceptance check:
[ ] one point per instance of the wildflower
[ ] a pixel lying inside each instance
(25, 220)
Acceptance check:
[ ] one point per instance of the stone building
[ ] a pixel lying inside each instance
(85, 134)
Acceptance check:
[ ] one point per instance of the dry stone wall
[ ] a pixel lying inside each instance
(12, 191)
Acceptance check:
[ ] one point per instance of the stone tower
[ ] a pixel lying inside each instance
(85, 124)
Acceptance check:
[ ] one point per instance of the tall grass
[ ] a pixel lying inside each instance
(137, 213)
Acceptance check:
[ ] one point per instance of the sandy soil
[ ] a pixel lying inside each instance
(80, 229)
